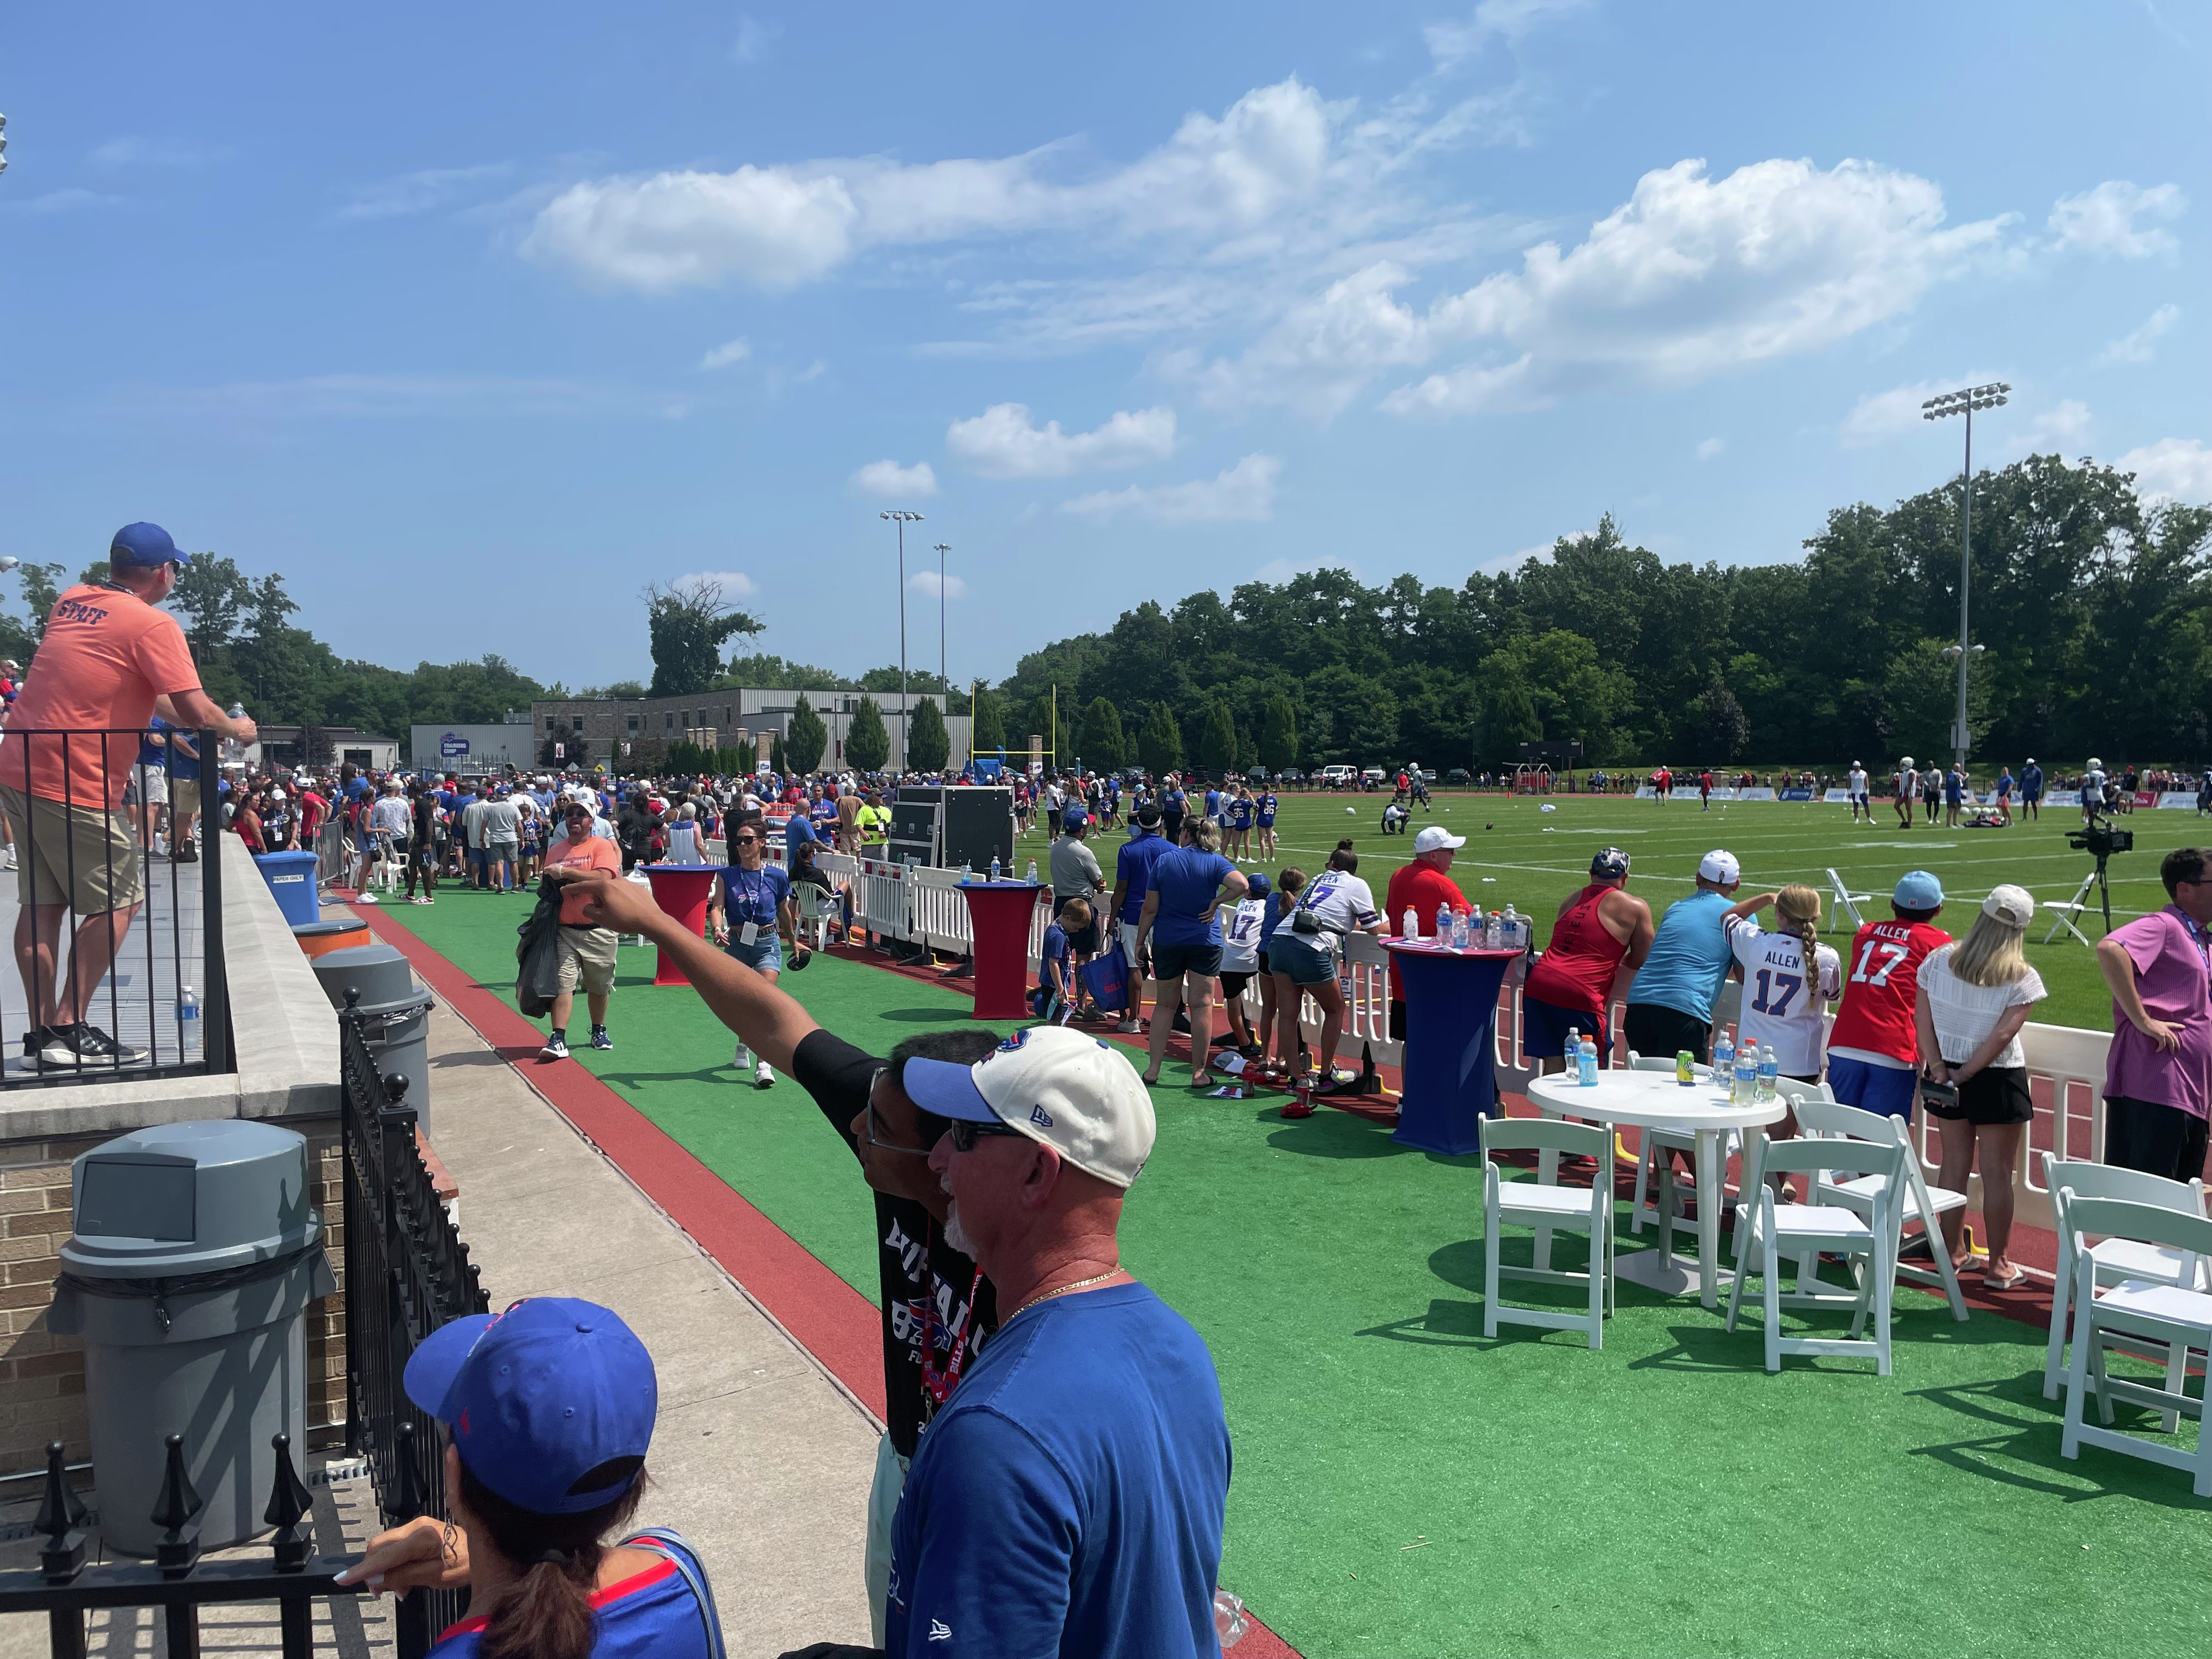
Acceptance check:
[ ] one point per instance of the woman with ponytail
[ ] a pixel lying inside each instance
(547, 1411)
(1788, 978)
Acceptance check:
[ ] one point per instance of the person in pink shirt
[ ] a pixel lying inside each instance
(2158, 1078)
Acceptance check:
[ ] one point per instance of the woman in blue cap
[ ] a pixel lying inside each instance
(547, 1410)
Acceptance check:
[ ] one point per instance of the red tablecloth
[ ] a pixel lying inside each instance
(683, 890)
(998, 916)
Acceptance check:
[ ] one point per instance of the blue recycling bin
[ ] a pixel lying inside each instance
(291, 879)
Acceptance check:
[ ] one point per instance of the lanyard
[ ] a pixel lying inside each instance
(940, 1384)
(2196, 936)
(749, 893)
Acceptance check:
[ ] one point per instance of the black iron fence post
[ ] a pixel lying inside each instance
(214, 994)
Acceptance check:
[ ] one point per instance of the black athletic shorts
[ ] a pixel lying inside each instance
(2146, 1134)
(1994, 1095)
(1658, 1032)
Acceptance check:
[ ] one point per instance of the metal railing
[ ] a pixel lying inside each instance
(177, 1580)
(406, 1272)
(83, 816)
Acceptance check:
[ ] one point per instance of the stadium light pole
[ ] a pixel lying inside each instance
(1964, 402)
(901, 517)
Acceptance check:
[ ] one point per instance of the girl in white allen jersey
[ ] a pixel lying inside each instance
(1789, 978)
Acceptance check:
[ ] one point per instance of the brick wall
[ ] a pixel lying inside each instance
(42, 1374)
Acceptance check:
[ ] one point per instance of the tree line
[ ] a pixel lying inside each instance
(2094, 608)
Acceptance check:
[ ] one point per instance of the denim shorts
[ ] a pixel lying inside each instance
(764, 955)
(1298, 959)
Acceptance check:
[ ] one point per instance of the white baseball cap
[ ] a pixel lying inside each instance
(1067, 1090)
(2014, 906)
(1720, 868)
(1435, 836)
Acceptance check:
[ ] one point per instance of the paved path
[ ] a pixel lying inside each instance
(761, 1459)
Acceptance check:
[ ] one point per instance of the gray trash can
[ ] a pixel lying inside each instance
(395, 1011)
(195, 1253)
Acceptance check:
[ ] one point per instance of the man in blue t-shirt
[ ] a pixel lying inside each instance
(1069, 1497)
(1132, 880)
(1172, 801)
(796, 833)
(1671, 1004)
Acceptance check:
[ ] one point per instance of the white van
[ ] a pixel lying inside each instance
(1338, 777)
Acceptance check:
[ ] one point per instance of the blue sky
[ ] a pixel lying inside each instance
(472, 321)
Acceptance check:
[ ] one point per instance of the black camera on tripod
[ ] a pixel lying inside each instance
(2099, 839)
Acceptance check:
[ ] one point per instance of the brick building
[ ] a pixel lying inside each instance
(592, 730)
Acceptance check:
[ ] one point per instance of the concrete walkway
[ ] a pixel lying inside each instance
(761, 1459)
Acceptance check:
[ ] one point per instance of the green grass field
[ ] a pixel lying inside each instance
(1532, 859)
(1405, 1487)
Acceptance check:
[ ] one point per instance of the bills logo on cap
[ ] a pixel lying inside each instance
(1041, 1117)
(1012, 1043)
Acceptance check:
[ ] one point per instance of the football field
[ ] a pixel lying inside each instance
(1520, 854)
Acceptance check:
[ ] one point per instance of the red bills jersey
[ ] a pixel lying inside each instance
(1881, 977)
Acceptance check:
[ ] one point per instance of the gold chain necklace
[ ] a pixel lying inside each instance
(1079, 1284)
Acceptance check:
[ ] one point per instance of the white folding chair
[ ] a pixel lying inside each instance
(1847, 903)
(2066, 914)
(1537, 1203)
(817, 909)
(2134, 1312)
(1868, 1245)
(1921, 1202)
(2117, 1258)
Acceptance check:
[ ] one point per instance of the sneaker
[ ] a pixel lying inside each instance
(743, 1061)
(365, 898)
(765, 1076)
(11, 861)
(600, 1039)
(556, 1048)
(83, 1044)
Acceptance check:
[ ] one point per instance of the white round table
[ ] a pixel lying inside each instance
(1653, 1100)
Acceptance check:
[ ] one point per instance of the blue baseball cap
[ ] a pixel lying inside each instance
(551, 1403)
(1257, 886)
(144, 544)
(1918, 890)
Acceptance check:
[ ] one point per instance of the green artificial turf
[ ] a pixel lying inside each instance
(1405, 1487)
(1534, 858)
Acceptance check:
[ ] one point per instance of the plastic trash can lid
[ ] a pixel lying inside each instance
(379, 972)
(182, 1199)
(326, 929)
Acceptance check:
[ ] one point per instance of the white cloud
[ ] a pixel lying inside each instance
(2134, 346)
(1711, 448)
(890, 479)
(1002, 442)
(2171, 467)
(424, 191)
(2102, 220)
(735, 584)
(1244, 493)
(754, 38)
(132, 151)
(2056, 429)
(1880, 415)
(1695, 276)
(782, 225)
(1450, 43)
(924, 582)
(1324, 351)
(730, 352)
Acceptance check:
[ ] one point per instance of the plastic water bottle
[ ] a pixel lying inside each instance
(1411, 929)
(1229, 1623)
(233, 751)
(1769, 1070)
(995, 867)
(1586, 1064)
(188, 1018)
(1746, 1075)
(1032, 872)
(1493, 932)
(1459, 930)
(1724, 1061)
(1443, 923)
(1474, 926)
(1514, 923)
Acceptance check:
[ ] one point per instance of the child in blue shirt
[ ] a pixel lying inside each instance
(1056, 996)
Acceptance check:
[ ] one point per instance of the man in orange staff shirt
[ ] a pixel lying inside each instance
(106, 662)
(587, 953)
(1426, 885)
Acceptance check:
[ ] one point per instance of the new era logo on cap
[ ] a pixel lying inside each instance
(1064, 1089)
(1041, 1117)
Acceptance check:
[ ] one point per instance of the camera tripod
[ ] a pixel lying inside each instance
(2065, 915)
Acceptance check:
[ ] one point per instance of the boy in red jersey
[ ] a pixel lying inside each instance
(1874, 1052)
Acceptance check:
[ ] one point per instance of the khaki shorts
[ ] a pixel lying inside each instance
(185, 794)
(588, 954)
(85, 857)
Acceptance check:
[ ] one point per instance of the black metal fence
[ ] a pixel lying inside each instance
(406, 1272)
(101, 824)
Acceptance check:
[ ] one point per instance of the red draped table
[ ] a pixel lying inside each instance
(682, 890)
(998, 915)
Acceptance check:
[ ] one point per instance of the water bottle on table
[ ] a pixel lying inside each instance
(1724, 1062)
(1411, 929)
(1586, 1063)
(1032, 872)
(1769, 1071)
(1459, 930)
(1493, 932)
(995, 867)
(1746, 1075)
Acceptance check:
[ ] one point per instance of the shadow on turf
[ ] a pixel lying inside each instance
(1332, 1133)
(2023, 1451)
